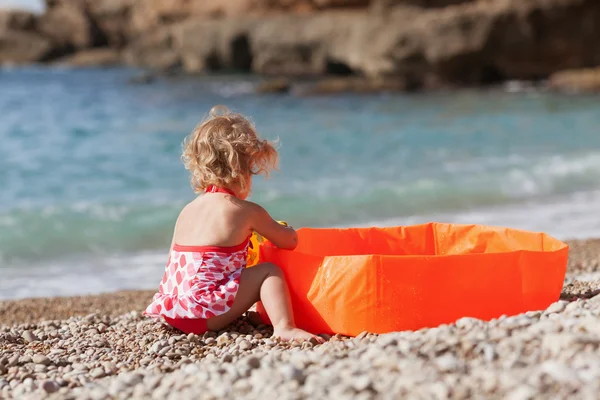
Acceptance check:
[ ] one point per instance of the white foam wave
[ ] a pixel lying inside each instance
(82, 276)
(569, 217)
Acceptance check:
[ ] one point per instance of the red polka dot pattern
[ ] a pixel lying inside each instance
(198, 284)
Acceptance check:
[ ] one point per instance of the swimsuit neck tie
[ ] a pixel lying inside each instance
(218, 189)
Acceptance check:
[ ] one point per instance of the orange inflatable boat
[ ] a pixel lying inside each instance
(405, 278)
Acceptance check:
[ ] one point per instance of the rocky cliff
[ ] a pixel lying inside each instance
(422, 43)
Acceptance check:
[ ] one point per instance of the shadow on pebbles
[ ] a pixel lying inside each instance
(542, 354)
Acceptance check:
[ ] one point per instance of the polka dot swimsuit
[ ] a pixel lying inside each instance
(199, 282)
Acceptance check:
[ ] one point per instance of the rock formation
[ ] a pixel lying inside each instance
(423, 43)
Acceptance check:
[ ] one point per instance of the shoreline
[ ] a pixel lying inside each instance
(584, 263)
(583, 273)
(571, 82)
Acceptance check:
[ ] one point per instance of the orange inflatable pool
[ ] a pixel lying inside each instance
(405, 278)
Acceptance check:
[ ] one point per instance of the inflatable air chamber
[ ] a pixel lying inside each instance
(405, 278)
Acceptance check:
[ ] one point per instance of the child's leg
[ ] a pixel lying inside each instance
(264, 282)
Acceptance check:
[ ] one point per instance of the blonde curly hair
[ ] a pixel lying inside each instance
(225, 150)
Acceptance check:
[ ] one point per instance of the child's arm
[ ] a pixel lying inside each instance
(281, 236)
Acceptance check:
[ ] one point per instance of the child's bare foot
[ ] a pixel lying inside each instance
(291, 334)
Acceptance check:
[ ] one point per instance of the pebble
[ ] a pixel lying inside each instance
(291, 373)
(223, 340)
(97, 372)
(253, 362)
(560, 372)
(521, 392)
(549, 354)
(245, 345)
(210, 341)
(360, 383)
(29, 336)
(557, 307)
(50, 386)
(14, 360)
(25, 359)
(41, 359)
(447, 363)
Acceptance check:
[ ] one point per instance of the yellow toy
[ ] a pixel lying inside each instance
(253, 249)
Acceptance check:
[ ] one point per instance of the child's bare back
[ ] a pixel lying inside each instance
(206, 285)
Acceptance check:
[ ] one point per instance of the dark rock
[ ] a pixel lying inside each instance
(70, 27)
(356, 85)
(103, 57)
(581, 80)
(142, 79)
(17, 20)
(23, 47)
(281, 85)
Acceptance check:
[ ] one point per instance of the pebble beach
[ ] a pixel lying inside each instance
(101, 347)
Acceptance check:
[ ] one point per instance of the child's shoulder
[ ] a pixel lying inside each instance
(248, 206)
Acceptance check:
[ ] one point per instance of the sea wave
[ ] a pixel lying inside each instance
(52, 232)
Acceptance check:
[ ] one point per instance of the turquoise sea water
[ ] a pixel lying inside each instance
(91, 182)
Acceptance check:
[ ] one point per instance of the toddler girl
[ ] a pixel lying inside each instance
(206, 285)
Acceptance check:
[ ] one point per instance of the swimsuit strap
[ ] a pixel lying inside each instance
(218, 189)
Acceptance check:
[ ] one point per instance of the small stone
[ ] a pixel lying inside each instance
(223, 340)
(253, 362)
(79, 367)
(254, 318)
(291, 373)
(29, 336)
(226, 358)
(554, 342)
(560, 372)
(360, 383)
(164, 350)
(210, 341)
(362, 335)
(440, 390)
(41, 359)
(522, 392)
(466, 322)
(245, 345)
(447, 363)
(308, 345)
(158, 346)
(14, 360)
(39, 368)
(572, 306)
(325, 336)
(557, 307)
(25, 359)
(489, 353)
(97, 373)
(50, 386)
(109, 367)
